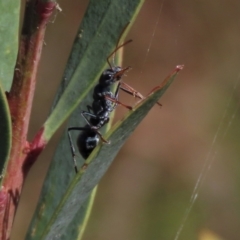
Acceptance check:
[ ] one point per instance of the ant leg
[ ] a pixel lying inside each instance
(83, 113)
(73, 151)
(101, 136)
(89, 108)
(117, 102)
(116, 95)
(158, 103)
(117, 91)
(128, 89)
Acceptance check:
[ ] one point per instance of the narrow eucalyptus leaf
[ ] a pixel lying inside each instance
(5, 130)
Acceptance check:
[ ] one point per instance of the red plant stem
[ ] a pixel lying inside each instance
(20, 102)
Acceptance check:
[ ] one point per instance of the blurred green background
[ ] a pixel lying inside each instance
(147, 190)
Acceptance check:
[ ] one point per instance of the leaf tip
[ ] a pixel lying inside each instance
(179, 68)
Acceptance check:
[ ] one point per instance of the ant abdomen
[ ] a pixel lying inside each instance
(86, 142)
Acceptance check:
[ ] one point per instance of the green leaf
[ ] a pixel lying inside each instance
(9, 16)
(96, 38)
(100, 28)
(5, 130)
(77, 226)
(83, 183)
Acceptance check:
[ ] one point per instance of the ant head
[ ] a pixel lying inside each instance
(111, 75)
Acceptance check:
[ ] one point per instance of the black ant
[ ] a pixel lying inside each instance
(104, 102)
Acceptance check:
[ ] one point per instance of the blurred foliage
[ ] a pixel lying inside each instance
(5, 130)
(9, 16)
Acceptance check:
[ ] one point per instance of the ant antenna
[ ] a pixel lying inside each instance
(124, 29)
(113, 53)
(117, 47)
(120, 36)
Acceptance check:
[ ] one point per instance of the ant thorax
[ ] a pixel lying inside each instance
(100, 91)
